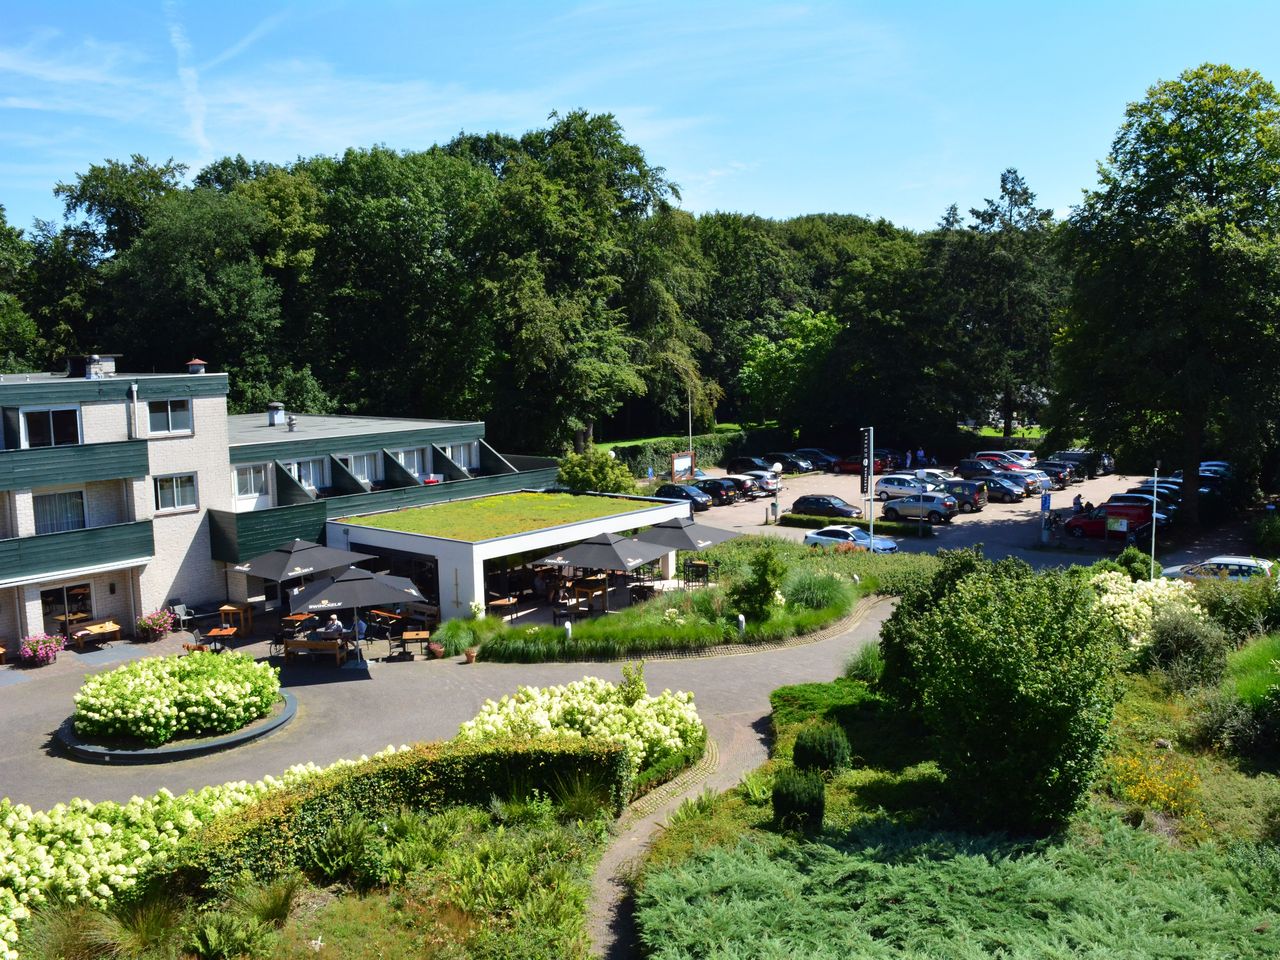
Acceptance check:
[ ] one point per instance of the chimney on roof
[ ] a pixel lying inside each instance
(196, 365)
(275, 413)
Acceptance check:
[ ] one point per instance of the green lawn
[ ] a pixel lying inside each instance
(1023, 433)
(487, 517)
(1251, 668)
(606, 445)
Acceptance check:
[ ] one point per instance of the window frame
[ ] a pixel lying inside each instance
(292, 468)
(24, 435)
(171, 432)
(265, 490)
(375, 458)
(176, 508)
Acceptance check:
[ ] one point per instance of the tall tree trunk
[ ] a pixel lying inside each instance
(1006, 413)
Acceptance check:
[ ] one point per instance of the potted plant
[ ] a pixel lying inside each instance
(40, 649)
(470, 654)
(437, 649)
(154, 625)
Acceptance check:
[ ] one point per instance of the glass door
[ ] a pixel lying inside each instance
(64, 607)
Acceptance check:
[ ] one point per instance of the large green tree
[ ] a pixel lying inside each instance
(20, 344)
(1172, 327)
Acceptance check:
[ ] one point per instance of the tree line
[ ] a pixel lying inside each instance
(551, 285)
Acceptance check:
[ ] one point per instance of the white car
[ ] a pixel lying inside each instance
(1008, 456)
(767, 479)
(894, 485)
(1027, 456)
(836, 535)
(1228, 567)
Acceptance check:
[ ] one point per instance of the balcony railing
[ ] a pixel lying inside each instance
(24, 558)
(77, 463)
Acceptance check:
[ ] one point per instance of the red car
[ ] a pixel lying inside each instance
(1094, 523)
(853, 464)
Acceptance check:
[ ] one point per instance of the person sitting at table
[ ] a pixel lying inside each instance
(333, 629)
(361, 628)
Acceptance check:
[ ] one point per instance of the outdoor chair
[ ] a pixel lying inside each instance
(181, 612)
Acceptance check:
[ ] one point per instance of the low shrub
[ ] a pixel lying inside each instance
(1163, 781)
(1017, 682)
(1223, 721)
(799, 799)
(161, 698)
(650, 728)
(461, 634)
(272, 838)
(1136, 563)
(1266, 534)
(1244, 608)
(821, 746)
(349, 851)
(757, 593)
(1130, 604)
(1190, 650)
(866, 665)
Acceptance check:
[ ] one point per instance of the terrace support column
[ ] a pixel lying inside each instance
(667, 565)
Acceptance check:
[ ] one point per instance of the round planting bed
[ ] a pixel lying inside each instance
(82, 749)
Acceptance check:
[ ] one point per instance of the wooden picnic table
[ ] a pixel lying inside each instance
(589, 588)
(336, 646)
(241, 612)
(221, 637)
(95, 631)
(503, 605)
(386, 614)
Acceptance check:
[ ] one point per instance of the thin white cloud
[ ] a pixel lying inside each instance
(192, 100)
(247, 41)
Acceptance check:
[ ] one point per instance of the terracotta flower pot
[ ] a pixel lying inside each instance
(470, 654)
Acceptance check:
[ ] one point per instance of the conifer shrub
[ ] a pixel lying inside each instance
(799, 799)
(821, 746)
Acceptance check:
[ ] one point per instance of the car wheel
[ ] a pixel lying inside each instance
(890, 514)
(935, 516)
(966, 508)
(1077, 531)
(882, 496)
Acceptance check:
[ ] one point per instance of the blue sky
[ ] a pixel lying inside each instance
(883, 109)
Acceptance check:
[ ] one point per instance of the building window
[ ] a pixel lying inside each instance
(251, 480)
(168, 416)
(309, 473)
(415, 461)
(363, 466)
(176, 493)
(56, 512)
(465, 455)
(59, 427)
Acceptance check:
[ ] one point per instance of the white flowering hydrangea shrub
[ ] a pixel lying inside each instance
(160, 698)
(1131, 604)
(650, 728)
(89, 852)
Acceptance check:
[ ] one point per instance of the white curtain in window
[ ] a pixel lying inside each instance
(56, 512)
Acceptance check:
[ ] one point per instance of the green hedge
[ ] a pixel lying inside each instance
(709, 448)
(888, 528)
(269, 838)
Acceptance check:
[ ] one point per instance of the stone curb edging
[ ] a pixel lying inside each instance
(689, 777)
(80, 750)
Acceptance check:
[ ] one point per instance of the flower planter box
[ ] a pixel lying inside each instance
(436, 650)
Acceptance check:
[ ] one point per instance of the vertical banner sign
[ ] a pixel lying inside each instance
(1044, 502)
(867, 454)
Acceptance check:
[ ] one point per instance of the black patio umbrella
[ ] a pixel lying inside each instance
(298, 559)
(353, 589)
(607, 551)
(682, 533)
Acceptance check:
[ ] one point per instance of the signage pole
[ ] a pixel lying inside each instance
(869, 479)
(1154, 500)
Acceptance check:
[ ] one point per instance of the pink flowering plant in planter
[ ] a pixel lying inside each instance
(153, 626)
(40, 649)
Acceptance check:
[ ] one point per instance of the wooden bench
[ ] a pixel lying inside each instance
(96, 630)
(337, 647)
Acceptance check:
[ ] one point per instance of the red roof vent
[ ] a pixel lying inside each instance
(196, 366)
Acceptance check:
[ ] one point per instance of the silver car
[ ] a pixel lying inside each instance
(934, 507)
(894, 485)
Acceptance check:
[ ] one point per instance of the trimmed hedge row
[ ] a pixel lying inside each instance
(270, 838)
(889, 528)
(710, 448)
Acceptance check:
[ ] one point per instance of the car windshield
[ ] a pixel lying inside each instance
(836, 502)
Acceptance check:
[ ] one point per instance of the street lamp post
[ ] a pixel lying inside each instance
(1155, 499)
(922, 476)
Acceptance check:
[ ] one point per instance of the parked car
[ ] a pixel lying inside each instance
(1006, 490)
(824, 505)
(767, 479)
(970, 494)
(1028, 477)
(684, 491)
(899, 485)
(975, 469)
(853, 464)
(1060, 475)
(835, 536)
(938, 474)
(721, 491)
(1004, 456)
(1089, 462)
(1093, 523)
(1075, 476)
(791, 462)
(698, 474)
(748, 487)
(893, 459)
(748, 464)
(1162, 515)
(934, 507)
(820, 458)
(1028, 456)
(1226, 567)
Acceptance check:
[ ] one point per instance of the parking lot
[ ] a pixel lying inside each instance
(1003, 529)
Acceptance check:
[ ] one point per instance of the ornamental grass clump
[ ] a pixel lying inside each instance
(650, 728)
(161, 698)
